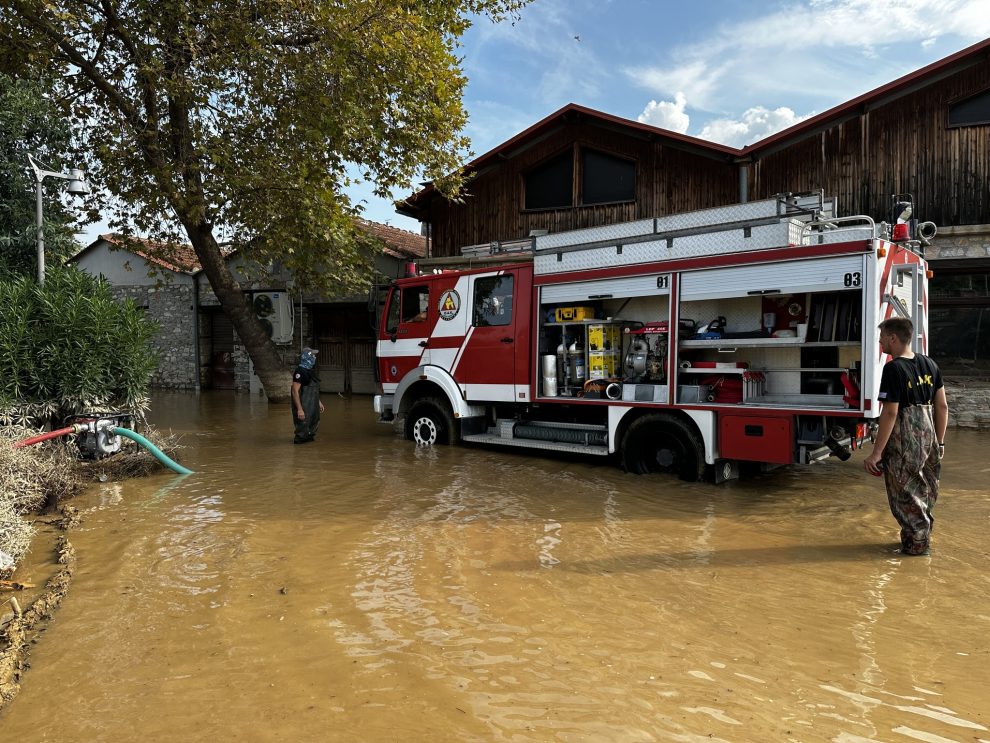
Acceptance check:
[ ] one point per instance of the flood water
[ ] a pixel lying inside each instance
(359, 589)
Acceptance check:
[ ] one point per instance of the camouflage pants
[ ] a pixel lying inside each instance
(913, 466)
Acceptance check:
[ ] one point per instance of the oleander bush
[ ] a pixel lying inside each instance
(70, 347)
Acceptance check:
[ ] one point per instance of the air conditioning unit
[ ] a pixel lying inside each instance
(274, 309)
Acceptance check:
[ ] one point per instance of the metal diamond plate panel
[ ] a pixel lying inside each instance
(595, 234)
(583, 260)
(847, 234)
(719, 215)
(689, 246)
(735, 241)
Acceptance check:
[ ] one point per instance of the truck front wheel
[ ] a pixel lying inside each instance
(663, 443)
(430, 422)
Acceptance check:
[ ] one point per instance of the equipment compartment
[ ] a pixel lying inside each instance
(752, 438)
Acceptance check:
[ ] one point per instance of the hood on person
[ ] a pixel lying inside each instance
(308, 358)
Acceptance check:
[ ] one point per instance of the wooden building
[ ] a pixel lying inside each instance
(926, 134)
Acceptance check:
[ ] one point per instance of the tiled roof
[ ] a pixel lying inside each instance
(178, 258)
(399, 243)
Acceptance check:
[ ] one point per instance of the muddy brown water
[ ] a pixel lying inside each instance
(359, 589)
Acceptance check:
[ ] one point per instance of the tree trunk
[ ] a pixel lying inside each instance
(274, 378)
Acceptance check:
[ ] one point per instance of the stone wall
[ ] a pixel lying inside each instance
(969, 402)
(170, 306)
(965, 241)
(969, 396)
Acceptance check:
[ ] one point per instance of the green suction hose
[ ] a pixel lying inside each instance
(158, 454)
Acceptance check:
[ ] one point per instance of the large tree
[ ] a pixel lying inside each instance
(207, 114)
(30, 125)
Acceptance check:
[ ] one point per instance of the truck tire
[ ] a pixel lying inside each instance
(663, 443)
(430, 423)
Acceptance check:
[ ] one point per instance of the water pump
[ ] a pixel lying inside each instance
(95, 434)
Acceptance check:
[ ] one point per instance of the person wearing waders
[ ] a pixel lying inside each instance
(306, 404)
(910, 441)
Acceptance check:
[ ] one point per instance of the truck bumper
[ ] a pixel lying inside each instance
(383, 406)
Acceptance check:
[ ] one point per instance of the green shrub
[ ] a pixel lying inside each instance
(68, 347)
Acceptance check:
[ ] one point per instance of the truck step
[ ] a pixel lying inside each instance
(494, 438)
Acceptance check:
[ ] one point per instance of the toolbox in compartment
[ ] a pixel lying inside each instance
(567, 314)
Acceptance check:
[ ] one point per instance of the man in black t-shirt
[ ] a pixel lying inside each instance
(911, 437)
(305, 393)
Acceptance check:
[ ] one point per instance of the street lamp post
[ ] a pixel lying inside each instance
(77, 185)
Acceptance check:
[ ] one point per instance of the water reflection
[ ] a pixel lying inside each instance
(362, 589)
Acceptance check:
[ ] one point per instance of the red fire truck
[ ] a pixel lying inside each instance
(687, 343)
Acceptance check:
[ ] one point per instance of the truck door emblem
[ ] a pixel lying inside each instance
(450, 304)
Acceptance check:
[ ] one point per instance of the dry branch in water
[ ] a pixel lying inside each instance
(48, 473)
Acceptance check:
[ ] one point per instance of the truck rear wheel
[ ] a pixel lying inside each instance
(430, 423)
(663, 443)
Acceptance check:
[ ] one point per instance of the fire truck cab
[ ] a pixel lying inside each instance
(688, 343)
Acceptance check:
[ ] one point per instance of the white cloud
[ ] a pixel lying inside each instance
(699, 78)
(755, 124)
(667, 114)
(783, 52)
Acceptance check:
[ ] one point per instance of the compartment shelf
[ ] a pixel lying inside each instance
(718, 371)
(761, 342)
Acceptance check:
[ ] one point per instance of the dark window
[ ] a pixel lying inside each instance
(959, 338)
(493, 301)
(415, 303)
(972, 111)
(959, 319)
(550, 185)
(960, 285)
(606, 179)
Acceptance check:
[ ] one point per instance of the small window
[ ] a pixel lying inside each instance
(392, 319)
(415, 303)
(971, 112)
(606, 179)
(961, 285)
(550, 185)
(493, 301)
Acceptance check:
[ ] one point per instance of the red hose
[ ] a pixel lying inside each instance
(45, 437)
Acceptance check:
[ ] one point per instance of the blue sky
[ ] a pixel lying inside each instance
(731, 72)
